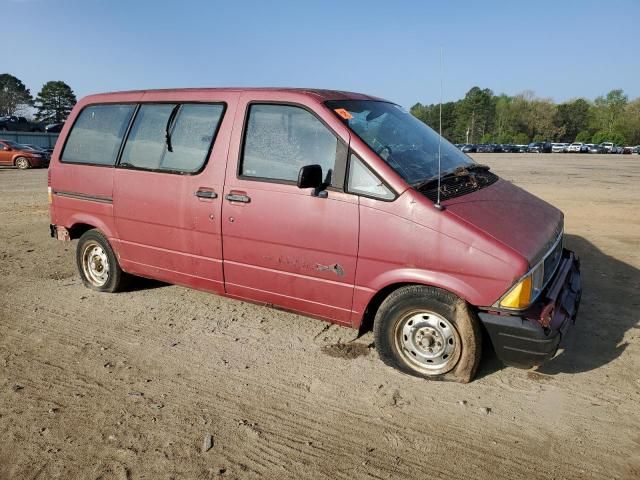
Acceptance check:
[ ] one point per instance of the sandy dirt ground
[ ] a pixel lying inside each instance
(127, 386)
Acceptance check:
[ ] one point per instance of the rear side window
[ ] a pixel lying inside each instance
(97, 134)
(171, 137)
(280, 139)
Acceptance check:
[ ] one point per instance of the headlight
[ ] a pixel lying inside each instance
(523, 293)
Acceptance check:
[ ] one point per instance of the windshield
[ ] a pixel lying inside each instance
(400, 139)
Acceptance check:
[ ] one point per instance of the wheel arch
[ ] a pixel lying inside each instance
(80, 222)
(369, 314)
(398, 279)
(78, 229)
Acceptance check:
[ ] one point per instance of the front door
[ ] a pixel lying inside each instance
(167, 193)
(283, 245)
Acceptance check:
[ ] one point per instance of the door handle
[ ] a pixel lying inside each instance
(237, 197)
(206, 194)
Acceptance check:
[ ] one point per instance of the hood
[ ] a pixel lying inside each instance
(511, 215)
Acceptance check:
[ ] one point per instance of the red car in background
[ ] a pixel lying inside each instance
(336, 205)
(21, 156)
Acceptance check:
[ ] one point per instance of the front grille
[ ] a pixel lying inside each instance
(457, 186)
(551, 261)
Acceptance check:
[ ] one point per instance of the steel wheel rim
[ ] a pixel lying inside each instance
(95, 264)
(428, 342)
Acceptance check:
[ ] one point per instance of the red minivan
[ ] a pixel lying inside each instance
(336, 205)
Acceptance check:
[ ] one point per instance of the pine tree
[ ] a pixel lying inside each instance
(14, 96)
(55, 101)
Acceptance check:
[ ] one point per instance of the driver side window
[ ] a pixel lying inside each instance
(280, 139)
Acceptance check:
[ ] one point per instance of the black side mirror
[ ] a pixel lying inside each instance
(310, 176)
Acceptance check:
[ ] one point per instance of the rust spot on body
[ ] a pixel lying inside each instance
(335, 268)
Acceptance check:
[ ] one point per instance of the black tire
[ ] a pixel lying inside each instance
(98, 265)
(395, 316)
(22, 163)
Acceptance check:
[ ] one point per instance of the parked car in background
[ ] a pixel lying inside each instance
(592, 148)
(484, 148)
(577, 147)
(559, 147)
(627, 150)
(539, 147)
(469, 148)
(37, 149)
(509, 148)
(610, 147)
(54, 127)
(312, 215)
(17, 155)
(19, 124)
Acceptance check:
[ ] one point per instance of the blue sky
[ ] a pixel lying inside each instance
(558, 49)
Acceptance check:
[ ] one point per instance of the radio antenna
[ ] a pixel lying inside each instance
(438, 205)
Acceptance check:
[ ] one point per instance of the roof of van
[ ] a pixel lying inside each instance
(317, 92)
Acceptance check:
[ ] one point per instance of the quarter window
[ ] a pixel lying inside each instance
(364, 182)
(171, 137)
(97, 134)
(280, 139)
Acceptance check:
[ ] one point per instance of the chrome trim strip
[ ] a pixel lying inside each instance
(83, 196)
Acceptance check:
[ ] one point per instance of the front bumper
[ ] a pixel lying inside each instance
(532, 337)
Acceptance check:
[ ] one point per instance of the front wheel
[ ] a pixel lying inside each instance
(22, 163)
(429, 333)
(97, 263)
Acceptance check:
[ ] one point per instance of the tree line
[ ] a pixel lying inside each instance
(479, 117)
(53, 103)
(483, 117)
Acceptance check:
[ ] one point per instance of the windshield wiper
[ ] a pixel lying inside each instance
(461, 171)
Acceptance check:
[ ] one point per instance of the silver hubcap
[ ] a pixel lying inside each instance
(428, 342)
(95, 264)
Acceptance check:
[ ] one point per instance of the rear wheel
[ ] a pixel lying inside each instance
(97, 263)
(22, 163)
(429, 333)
